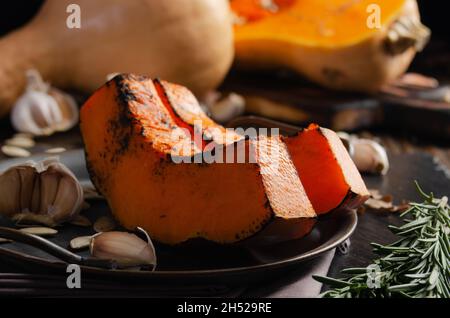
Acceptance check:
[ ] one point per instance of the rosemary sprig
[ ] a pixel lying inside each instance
(417, 265)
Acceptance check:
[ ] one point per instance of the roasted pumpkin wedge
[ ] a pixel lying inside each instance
(143, 158)
(342, 44)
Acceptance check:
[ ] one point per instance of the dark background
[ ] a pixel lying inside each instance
(15, 13)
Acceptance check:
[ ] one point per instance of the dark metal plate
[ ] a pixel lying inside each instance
(196, 261)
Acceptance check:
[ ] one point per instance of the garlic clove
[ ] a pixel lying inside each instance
(24, 111)
(27, 177)
(126, 249)
(68, 109)
(370, 156)
(9, 192)
(36, 195)
(141, 231)
(45, 111)
(68, 198)
(227, 108)
(49, 188)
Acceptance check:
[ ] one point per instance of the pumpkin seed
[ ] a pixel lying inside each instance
(12, 151)
(23, 135)
(21, 142)
(104, 224)
(80, 242)
(39, 230)
(3, 240)
(28, 219)
(56, 150)
(81, 220)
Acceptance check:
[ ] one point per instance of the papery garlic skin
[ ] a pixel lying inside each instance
(45, 192)
(68, 108)
(10, 193)
(126, 249)
(43, 110)
(368, 155)
(31, 113)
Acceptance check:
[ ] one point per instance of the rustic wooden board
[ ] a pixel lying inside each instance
(288, 97)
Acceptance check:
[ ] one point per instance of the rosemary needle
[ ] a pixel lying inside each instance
(417, 265)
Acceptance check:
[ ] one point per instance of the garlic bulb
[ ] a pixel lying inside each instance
(42, 109)
(45, 192)
(126, 249)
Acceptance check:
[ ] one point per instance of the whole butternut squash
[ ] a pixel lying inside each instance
(342, 44)
(189, 42)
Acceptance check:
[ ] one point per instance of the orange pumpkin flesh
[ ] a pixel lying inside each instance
(325, 169)
(317, 22)
(128, 127)
(253, 10)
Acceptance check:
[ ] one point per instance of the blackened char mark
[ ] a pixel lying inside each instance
(96, 179)
(121, 128)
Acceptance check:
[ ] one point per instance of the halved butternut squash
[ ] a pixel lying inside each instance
(136, 129)
(342, 44)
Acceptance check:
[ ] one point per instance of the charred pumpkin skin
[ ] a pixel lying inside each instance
(346, 55)
(127, 126)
